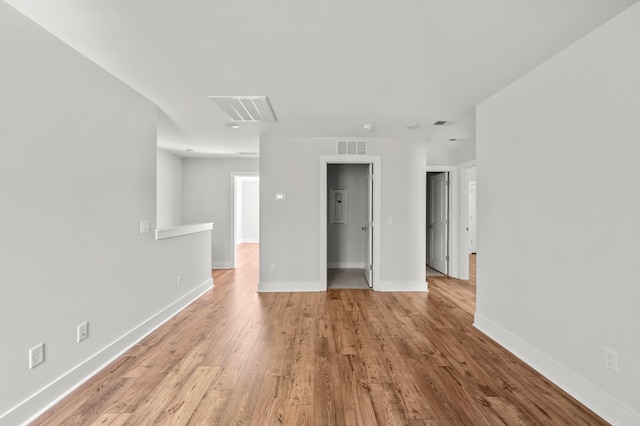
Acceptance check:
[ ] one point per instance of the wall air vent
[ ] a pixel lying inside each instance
(351, 147)
(440, 123)
(246, 109)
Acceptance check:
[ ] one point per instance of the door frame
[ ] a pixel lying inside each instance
(376, 161)
(455, 242)
(447, 230)
(232, 213)
(469, 172)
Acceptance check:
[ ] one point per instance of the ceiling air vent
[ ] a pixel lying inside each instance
(352, 147)
(440, 123)
(246, 109)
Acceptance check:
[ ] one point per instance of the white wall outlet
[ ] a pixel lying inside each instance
(144, 226)
(82, 331)
(273, 267)
(36, 355)
(611, 359)
(178, 281)
(280, 196)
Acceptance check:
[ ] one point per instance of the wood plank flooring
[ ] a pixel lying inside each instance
(344, 357)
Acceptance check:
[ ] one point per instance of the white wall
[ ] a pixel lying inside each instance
(170, 193)
(442, 152)
(450, 153)
(345, 241)
(208, 197)
(77, 174)
(558, 210)
(249, 211)
(290, 230)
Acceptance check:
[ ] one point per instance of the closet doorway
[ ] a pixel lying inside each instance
(350, 221)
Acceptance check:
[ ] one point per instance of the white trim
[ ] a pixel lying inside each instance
(232, 216)
(465, 170)
(454, 217)
(602, 404)
(377, 191)
(178, 231)
(249, 240)
(291, 286)
(48, 396)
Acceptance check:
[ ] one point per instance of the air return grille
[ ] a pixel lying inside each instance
(351, 147)
(246, 109)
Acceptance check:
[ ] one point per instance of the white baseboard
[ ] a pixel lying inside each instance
(247, 240)
(602, 404)
(345, 265)
(221, 265)
(401, 286)
(290, 286)
(45, 398)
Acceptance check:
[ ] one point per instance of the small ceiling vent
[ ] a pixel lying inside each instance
(246, 109)
(440, 123)
(351, 147)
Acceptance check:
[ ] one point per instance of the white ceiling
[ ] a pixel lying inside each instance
(327, 66)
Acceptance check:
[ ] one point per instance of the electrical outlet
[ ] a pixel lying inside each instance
(82, 331)
(36, 356)
(178, 281)
(611, 359)
(144, 226)
(273, 267)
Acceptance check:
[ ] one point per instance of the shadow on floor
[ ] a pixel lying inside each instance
(346, 278)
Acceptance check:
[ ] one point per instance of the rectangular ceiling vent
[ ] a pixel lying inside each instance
(246, 109)
(352, 147)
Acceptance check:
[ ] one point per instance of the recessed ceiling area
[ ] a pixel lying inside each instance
(326, 67)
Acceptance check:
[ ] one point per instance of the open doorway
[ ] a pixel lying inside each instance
(468, 216)
(245, 214)
(366, 225)
(349, 215)
(437, 239)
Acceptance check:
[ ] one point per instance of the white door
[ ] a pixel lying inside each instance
(368, 228)
(438, 226)
(472, 216)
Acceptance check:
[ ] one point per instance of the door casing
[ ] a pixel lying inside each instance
(438, 221)
(376, 162)
(234, 176)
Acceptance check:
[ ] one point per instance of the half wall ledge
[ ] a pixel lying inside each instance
(177, 231)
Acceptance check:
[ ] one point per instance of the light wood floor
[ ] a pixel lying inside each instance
(344, 357)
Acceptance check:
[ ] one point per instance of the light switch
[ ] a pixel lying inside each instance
(280, 196)
(144, 226)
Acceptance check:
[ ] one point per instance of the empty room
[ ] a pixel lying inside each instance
(331, 213)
